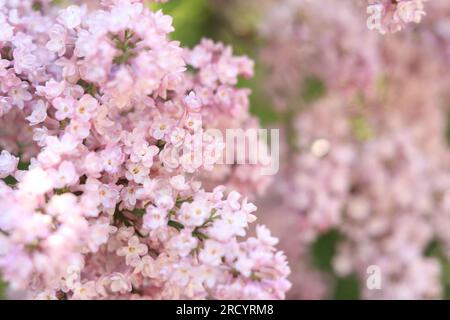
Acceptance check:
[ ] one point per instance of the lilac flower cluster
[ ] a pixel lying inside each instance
(392, 15)
(98, 102)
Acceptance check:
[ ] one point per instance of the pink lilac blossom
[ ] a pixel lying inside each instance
(111, 206)
(392, 15)
(223, 107)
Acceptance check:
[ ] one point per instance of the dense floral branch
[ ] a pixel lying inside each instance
(101, 101)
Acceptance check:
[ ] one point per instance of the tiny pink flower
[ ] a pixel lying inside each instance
(125, 233)
(93, 164)
(65, 175)
(183, 243)
(20, 95)
(144, 153)
(24, 60)
(8, 164)
(193, 122)
(70, 17)
(194, 213)
(109, 195)
(84, 291)
(182, 275)
(112, 158)
(86, 107)
(160, 128)
(147, 267)
(66, 144)
(177, 136)
(164, 199)
(133, 251)
(39, 113)
(179, 183)
(192, 102)
(7, 31)
(130, 195)
(212, 253)
(36, 181)
(57, 42)
(120, 283)
(52, 89)
(154, 218)
(244, 265)
(64, 107)
(79, 129)
(137, 172)
(263, 234)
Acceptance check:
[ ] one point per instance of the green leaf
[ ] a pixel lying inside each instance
(361, 128)
(180, 201)
(347, 288)
(10, 180)
(199, 235)
(23, 165)
(447, 132)
(313, 89)
(175, 224)
(324, 249)
(3, 286)
(138, 212)
(261, 104)
(435, 250)
(88, 87)
(191, 19)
